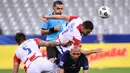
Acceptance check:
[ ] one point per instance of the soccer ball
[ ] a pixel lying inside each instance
(104, 12)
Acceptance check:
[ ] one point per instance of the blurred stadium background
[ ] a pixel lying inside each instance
(112, 34)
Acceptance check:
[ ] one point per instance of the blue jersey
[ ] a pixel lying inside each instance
(50, 23)
(70, 66)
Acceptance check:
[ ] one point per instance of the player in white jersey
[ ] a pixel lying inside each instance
(73, 32)
(29, 53)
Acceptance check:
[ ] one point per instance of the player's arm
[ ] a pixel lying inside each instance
(62, 61)
(45, 31)
(61, 70)
(44, 18)
(85, 71)
(50, 31)
(67, 18)
(45, 43)
(16, 65)
(88, 52)
(84, 62)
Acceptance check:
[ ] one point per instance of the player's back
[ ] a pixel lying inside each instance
(27, 49)
(71, 30)
(70, 33)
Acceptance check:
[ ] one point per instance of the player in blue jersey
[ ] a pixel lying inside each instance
(71, 61)
(52, 28)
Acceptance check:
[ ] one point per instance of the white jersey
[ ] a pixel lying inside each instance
(27, 49)
(70, 33)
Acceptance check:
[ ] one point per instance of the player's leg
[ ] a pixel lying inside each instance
(33, 68)
(40, 65)
(47, 66)
(54, 69)
(57, 58)
(51, 52)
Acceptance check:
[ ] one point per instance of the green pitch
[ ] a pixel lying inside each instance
(109, 70)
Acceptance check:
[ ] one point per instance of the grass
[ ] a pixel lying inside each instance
(95, 70)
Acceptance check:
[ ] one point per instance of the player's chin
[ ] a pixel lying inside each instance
(85, 34)
(75, 59)
(59, 13)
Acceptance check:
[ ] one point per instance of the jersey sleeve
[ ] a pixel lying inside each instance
(44, 25)
(61, 64)
(73, 17)
(84, 62)
(76, 41)
(63, 59)
(16, 59)
(37, 40)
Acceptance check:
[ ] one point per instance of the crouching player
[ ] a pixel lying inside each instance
(29, 53)
(71, 61)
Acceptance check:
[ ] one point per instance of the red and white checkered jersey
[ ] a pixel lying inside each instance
(71, 33)
(26, 50)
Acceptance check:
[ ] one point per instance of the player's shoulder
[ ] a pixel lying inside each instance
(66, 54)
(79, 19)
(82, 55)
(26, 42)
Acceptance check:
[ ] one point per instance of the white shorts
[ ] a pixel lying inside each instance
(42, 65)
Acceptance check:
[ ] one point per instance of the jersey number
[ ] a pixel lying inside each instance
(27, 49)
(69, 28)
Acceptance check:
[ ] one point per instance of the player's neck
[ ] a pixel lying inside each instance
(21, 42)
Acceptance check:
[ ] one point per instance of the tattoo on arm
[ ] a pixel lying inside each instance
(51, 44)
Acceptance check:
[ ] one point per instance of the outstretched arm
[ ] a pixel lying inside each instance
(46, 43)
(67, 18)
(89, 52)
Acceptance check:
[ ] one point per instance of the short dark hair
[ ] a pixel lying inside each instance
(20, 37)
(57, 2)
(88, 25)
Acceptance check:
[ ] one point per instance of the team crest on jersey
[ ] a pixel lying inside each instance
(61, 63)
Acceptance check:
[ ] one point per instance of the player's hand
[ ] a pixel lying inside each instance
(44, 18)
(57, 28)
(98, 50)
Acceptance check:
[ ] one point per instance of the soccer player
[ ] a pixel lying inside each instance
(29, 53)
(52, 28)
(71, 61)
(73, 32)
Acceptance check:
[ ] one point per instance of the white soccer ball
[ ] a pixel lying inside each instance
(104, 12)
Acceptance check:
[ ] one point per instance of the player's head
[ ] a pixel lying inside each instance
(58, 7)
(87, 27)
(20, 37)
(75, 52)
